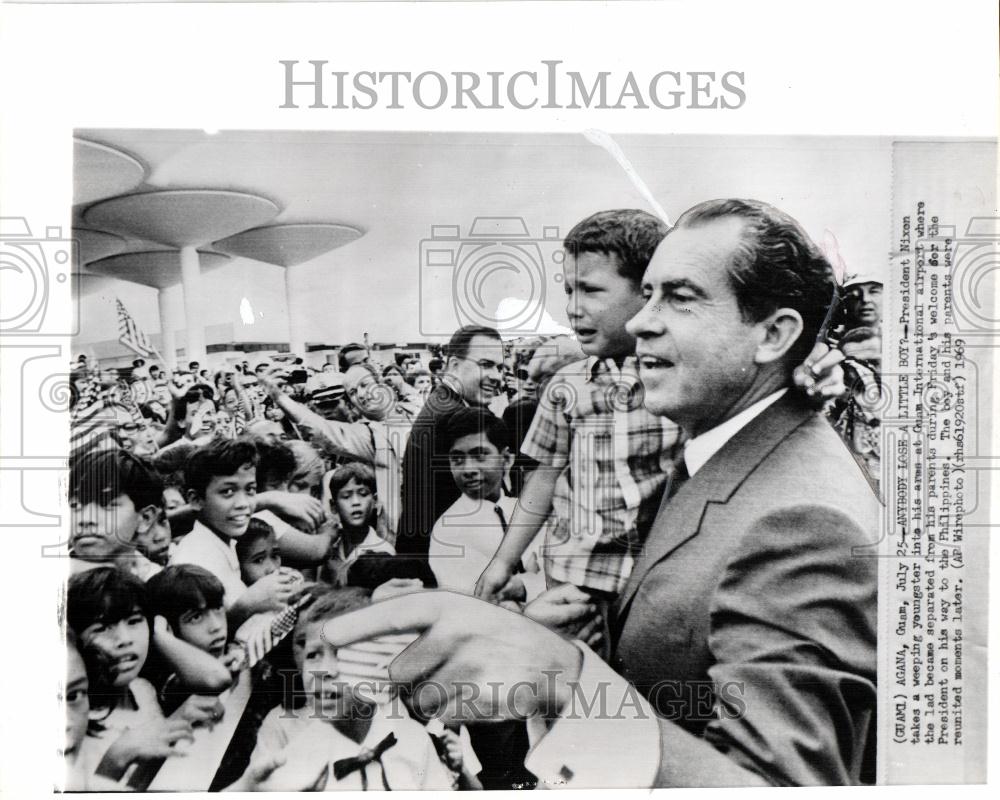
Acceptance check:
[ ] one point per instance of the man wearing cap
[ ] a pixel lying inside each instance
(327, 397)
(862, 302)
(855, 414)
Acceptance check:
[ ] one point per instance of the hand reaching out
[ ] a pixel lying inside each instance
(820, 376)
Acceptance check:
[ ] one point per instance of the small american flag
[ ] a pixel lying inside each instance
(130, 334)
(261, 639)
(91, 419)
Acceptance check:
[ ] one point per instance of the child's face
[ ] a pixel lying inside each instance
(77, 702)
(354, 503)
(154, 541)
(205, 628)
(422, 384)
(307, 481)
(121, 646)
(477, 466)
(599, 301)
(262, 558)
(172, 498)
(101, 532)
(228, 502)
(331, 698)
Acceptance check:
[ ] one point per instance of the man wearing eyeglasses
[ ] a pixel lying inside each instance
(471, 377)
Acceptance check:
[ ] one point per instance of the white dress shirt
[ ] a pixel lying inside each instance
(619, 749)
(700, 449)
(467, 536)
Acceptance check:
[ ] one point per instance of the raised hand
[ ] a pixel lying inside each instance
(820, 376)
(465, 647)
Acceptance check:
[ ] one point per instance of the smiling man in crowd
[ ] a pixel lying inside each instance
(471, 377)
(754, 584)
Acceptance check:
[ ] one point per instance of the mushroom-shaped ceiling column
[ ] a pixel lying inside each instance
(288, 246)
(185, 219)
(160, 269)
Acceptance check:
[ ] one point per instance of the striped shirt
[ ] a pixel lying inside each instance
(614, 455)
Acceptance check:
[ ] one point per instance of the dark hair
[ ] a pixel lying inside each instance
(275, 462)
(99, 476)
(199, 391)
(464, 421)
(195, 393)
(352, 470)
(181, 588)
(435, 365)
(458, 345)
(170, 463)
(392, 368)
(350, 347)
(371, 570)
(220, 457)
(775, 266)
(257, 529)
(411, 378)
(326, 603)
(628, 234)
(105, 594)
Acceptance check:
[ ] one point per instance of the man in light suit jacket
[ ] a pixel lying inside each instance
(749, 621)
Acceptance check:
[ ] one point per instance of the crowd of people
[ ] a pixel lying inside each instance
(221, 518)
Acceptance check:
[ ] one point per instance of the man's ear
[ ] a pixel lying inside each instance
(777, 334)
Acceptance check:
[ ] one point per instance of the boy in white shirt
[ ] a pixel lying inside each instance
(467, 535)
(338, 739)
(222, 484)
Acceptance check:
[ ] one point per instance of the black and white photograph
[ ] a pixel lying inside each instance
(485, 458)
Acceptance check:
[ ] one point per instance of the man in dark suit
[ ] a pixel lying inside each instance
(473, 359)
(749, 621)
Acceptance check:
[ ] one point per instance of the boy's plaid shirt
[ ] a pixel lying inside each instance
(615, 457)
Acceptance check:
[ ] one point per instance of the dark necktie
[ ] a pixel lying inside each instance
(503, 524)
(678, 476)
(502, 516)
(345, 766)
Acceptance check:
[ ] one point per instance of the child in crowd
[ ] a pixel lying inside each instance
(467, 535)
(77, 704)
(307, 477)
(189, 598)
(603, 458)
(258, 552)
(155, 541)
(306, 540)
(353, 498)
(222, 484)
(108, 611)
(339, 738)
(115, 498)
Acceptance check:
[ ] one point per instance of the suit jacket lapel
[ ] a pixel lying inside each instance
(679, 518)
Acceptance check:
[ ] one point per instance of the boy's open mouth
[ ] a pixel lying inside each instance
(125, 663)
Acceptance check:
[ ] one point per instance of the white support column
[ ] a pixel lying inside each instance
(296, 338)
(193, 305)
(167, 327)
